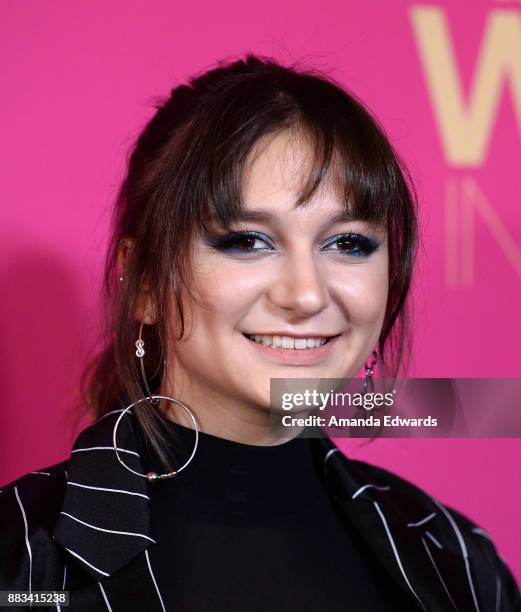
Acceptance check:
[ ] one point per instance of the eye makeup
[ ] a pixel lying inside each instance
(240, 242)
(352, 244)
(346, 244)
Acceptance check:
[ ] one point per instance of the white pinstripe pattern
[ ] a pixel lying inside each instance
(94, 448)
(422, 521)
(357, 493)
(63, 585)
(330, 452)
(104, 596)
(74, 554)
(129, 533)
(498, 593)
(487, 535)
(463, 550)
(439, 574)
(154, 580)
(431, 537)
(482, 532)
(64, 576)
(396, 555)
(84, 486)
(26, 539)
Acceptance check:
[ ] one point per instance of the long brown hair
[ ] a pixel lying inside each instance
(187, 164)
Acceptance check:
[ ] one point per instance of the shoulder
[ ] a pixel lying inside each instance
(457, 531)
(36, 495)
(45, 484)
(405, 496)
(29, 509)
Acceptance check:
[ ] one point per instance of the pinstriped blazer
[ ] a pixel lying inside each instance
(84, 525)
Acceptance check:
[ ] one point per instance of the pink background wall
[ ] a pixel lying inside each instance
(76, 81)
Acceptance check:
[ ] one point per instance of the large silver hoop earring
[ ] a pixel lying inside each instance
(153, 400)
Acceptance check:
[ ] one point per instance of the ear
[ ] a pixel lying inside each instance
(144, 307)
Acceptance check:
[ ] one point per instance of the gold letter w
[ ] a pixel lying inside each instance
(465, 128)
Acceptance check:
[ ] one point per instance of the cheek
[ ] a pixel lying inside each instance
(229, 285)
(223, 294)
(363, 292)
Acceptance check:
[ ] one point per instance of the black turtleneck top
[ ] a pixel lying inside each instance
(248, 527)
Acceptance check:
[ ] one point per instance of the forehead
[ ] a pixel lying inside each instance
(275, 171)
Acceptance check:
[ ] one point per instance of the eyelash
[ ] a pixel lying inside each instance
(365, 246)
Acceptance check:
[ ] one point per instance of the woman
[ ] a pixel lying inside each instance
(265, 229)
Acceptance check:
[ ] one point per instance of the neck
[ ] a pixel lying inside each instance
(225, 417)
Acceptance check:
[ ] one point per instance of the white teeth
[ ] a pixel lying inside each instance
(288, 342)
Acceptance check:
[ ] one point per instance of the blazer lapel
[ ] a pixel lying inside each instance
(105, 519)
(408, 531)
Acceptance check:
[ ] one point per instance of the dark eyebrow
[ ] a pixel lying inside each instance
(260, 215)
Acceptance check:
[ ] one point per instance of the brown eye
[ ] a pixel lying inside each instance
(242, 242)
(354, 245)
(347, 244)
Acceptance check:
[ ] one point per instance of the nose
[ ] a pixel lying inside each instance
(300, 285)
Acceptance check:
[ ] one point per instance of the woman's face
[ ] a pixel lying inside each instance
(299, 275)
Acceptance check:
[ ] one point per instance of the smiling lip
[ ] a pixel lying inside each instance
(290, 335)
(307, 356)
